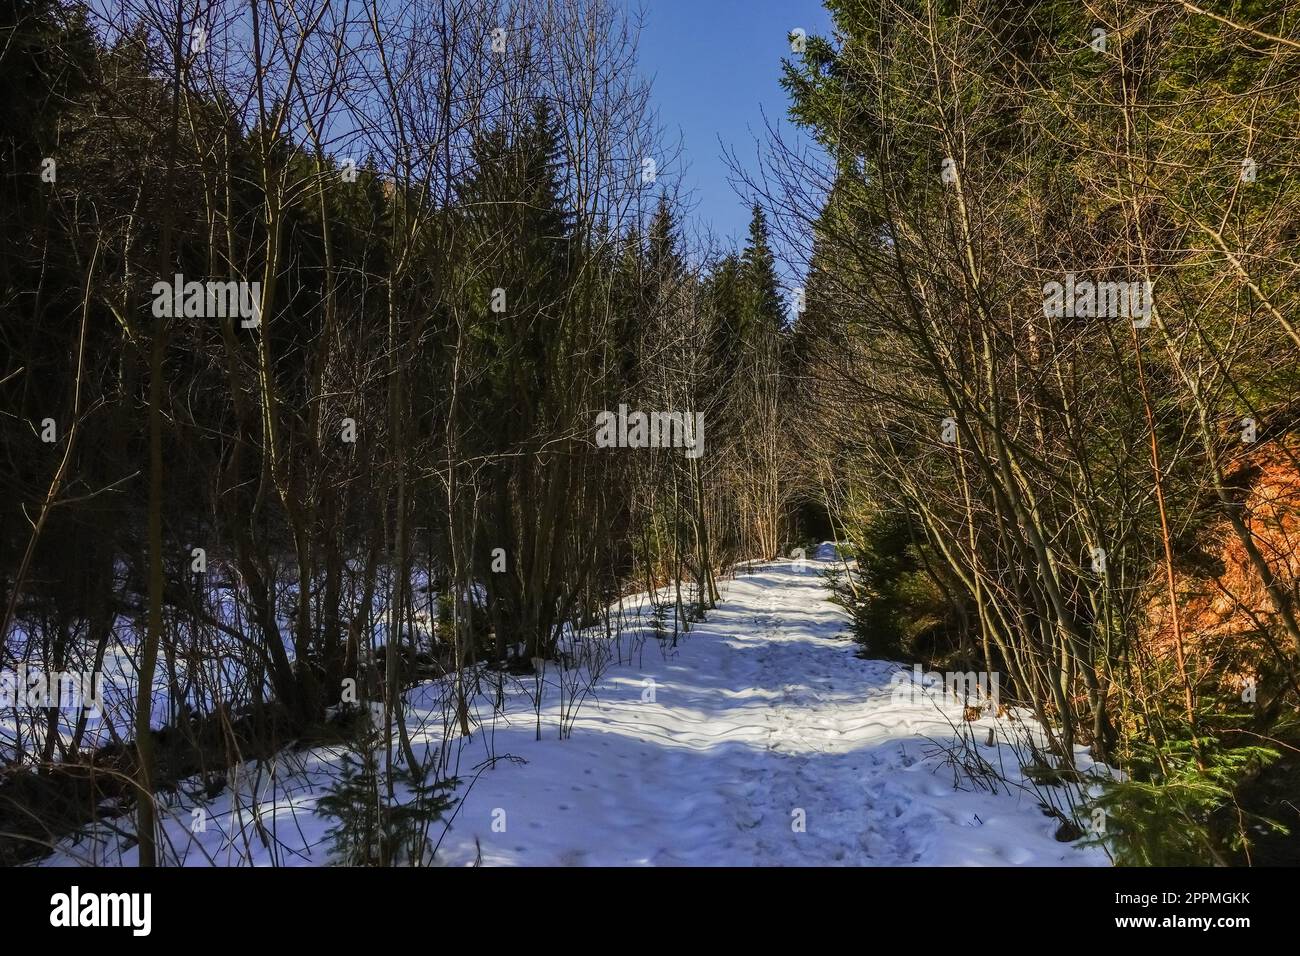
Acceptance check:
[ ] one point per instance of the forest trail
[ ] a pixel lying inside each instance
(760, 739)
(762, 718)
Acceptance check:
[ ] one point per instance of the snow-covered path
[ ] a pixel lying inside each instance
(761, 739)
(762, 719)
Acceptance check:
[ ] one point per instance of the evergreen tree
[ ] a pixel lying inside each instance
(764, 316)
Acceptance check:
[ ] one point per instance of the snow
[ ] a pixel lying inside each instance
(761, 739)
(216, 675)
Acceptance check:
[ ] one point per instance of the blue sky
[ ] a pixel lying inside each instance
(716, 66)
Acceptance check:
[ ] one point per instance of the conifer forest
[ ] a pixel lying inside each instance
(398, 467)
